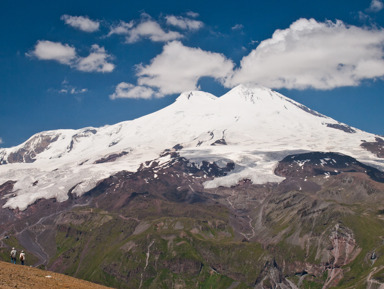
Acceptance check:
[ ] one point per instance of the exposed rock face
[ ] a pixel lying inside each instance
(344, 250)
(179, 181)
(77, 137)
(111, 158)
(342, 127)
(6, 188)
(327, 164)
(376, 147)
(271, 276)
(31, 149)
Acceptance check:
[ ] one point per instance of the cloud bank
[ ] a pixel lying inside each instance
(311, 54)
(96, 61)
(308, 54)
(81, 23)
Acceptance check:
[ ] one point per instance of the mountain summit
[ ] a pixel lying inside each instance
(250, 126)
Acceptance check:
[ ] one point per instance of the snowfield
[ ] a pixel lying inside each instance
(252, 126)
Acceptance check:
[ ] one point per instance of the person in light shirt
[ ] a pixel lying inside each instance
(13, 256)
(22, 257)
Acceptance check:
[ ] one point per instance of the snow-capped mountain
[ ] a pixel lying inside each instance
(252, 127)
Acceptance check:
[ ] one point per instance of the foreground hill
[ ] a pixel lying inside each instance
(249, 190)
(16, 276)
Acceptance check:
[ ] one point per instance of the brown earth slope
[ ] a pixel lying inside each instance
(17, 276)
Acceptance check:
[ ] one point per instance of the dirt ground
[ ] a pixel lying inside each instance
(17, 276)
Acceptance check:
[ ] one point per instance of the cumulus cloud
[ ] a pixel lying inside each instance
(376, 6)
(128, 90)
(48, 50)
(183, 23)
(96, 61)
(82, 23)
(311, 54)
(308, 54)
(178, 68)
(149, 29)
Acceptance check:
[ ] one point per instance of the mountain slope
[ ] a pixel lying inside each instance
(257, 126)
(249, 190)
(14, 276)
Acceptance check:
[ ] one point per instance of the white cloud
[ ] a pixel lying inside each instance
(121, 29)
(73, 90)
(238, 27)
(128, 90)
(376, 6)
(151, 30)
(314, 54)
(96, 61)
(178, 68)
(363, 17)
(147, 28)
(48, 50)
(183, 23)
(82, 23)
(192, 14)
(67, 88)
(1, 140)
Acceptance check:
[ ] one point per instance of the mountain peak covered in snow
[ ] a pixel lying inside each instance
(250, 126)
(196, 95)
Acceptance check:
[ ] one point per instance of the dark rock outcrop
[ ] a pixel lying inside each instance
(376, 147)
(327, 164)
(31, 148)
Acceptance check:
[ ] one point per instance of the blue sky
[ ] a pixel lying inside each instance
(73, 64)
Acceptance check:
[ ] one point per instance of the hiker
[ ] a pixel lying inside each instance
(13, 256)
(22, 257)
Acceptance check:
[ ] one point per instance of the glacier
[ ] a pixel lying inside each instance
(251, 126)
